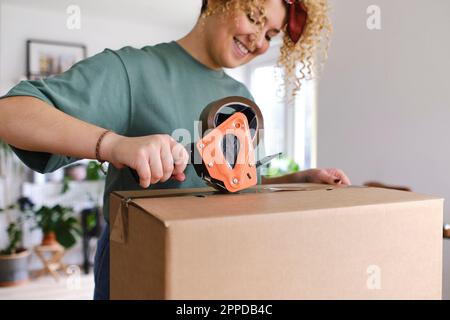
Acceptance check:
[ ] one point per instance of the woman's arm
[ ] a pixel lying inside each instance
(297, 177)
(30, 124)
(327, 176)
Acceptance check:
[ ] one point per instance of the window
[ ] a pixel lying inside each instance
(263, 88)
(288, 129)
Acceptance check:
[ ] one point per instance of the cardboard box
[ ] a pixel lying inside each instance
(276, 242)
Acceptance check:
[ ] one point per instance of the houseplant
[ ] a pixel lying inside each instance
(281, 166)
(14, 258)
(58, 225)
(93, 171)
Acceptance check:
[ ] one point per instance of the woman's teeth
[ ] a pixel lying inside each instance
(241, 47)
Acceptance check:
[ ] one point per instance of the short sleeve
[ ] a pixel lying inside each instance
(95, 90)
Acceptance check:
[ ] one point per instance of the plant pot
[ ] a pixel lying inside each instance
(14, 269)
(49, 239)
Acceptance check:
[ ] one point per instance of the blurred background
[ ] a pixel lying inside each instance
(379, 111)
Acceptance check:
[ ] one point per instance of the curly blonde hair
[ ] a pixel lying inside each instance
(298, 61)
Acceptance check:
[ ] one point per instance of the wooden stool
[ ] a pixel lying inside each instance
(51, 257)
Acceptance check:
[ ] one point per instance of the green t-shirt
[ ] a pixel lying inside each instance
(134, 92)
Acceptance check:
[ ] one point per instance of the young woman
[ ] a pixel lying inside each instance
(121, 106)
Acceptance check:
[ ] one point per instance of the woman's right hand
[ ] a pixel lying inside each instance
(156, 158)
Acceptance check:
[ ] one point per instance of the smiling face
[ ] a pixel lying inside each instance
(234, 40)
(221, 40)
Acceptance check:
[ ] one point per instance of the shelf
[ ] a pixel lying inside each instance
(79, 196)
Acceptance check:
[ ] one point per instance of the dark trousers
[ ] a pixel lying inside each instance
(101, 266)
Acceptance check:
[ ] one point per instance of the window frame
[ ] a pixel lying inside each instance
(270, 59)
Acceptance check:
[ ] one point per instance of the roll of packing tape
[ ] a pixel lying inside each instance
(218, 111)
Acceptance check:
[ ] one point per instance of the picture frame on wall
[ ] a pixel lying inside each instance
(47, 58)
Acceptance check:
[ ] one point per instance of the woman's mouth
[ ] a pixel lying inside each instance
(239, 48)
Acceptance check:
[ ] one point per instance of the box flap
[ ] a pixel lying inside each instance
(206, 203)
(121, 200)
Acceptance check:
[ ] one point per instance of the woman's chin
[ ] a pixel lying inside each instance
(234, 62)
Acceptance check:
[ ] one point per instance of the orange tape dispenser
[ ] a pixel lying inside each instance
(225, 156)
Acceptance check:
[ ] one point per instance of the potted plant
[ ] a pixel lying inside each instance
(14, 258)
(58, 226)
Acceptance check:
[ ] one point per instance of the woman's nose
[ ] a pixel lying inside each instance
(257, 40)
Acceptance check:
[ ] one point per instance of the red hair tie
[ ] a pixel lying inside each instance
(298, 15)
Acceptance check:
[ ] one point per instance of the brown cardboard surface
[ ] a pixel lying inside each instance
(277, 242)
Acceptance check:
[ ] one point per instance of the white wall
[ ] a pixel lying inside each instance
(384, 98)
(19, 23)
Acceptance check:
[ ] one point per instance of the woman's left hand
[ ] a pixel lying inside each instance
(327, 176)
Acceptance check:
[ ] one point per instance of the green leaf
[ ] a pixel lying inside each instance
(15, 236)
(65, 187)
(66, 239)
(93, 171)
(281, 166)
(61, 221)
